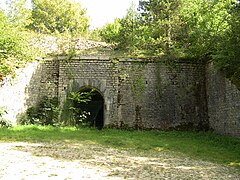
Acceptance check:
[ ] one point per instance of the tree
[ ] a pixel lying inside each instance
(18, 13)
(192, 28)
(205, 25)
(152, 29)
(132, 35)
(60, 16)
(227, 54)
(110, 32)
(162, 19)
(128, 30)
(14, 40)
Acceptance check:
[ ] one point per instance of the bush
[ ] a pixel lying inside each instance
(3, 122)
(45, 113)
(72, 113)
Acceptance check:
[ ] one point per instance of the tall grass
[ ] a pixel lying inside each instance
(205, 146)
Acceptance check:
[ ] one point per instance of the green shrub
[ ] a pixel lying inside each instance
(3, 122)
(44, 113)
(72, 113)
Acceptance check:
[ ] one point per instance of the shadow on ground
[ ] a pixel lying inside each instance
(128, 164)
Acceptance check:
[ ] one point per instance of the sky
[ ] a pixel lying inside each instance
(102, 11)
(105, 11)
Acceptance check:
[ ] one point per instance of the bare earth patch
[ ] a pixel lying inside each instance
(86, 160)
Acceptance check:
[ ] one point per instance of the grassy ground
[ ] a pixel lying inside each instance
(198, 145)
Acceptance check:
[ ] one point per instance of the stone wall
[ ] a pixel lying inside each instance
(157, 96)
(223, 103)
(13, 92)
(94, 72)
(137, 93)
(44, 82)
(27, 88)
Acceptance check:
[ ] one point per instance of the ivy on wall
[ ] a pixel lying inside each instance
(137, 81)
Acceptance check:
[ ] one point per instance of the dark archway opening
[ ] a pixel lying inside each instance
(94, 108)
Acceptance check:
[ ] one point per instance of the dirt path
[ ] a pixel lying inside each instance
(90, 161)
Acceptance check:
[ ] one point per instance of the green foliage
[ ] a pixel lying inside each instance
(124, 32)
(127, 38)
(191, 28)
(79, 98)
(18, 13)
(195, 29)
(18, 45)
(138, 84)
(227, 53)
(205, 24)
(95, 35)
(45, 113)
(3, 122)
(14, 45)
(72, 113)
(50, 16)
(161, 18)
(110, 32)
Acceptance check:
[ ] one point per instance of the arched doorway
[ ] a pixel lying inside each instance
(94, 108)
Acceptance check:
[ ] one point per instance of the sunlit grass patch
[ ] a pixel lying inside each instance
(199, 145)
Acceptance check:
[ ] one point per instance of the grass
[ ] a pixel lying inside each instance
(205, 146)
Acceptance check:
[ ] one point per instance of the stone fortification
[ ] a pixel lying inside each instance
(141, 94)
(223, 103)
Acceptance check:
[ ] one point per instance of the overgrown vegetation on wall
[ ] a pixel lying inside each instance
(172, 29)
(196, 29)
(46, 112)
(72, 114)
(200, 29)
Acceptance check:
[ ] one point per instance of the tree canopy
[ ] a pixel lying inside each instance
(196, 29)
(50, 16)
(20, 27)
(14, 45)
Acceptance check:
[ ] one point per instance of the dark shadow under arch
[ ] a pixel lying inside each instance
(95, 107)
